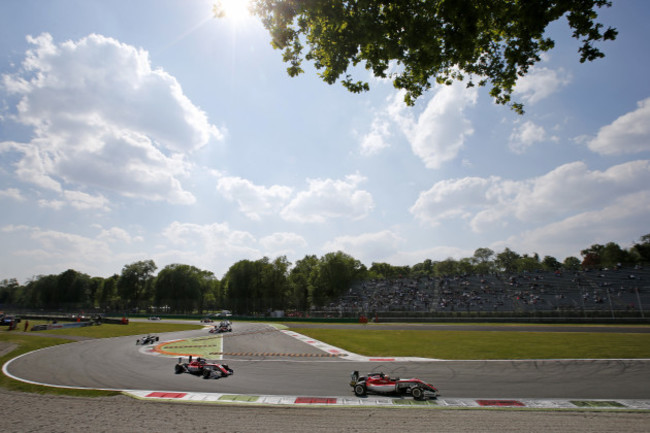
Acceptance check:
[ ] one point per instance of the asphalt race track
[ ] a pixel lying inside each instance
(272, 363)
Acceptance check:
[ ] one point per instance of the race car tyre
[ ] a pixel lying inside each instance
(417, 393)
(207, 374)
(360, 390)
(178, 369)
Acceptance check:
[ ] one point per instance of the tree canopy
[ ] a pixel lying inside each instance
(183, 287)
(264, 285)
(134, 284)
(417, 43)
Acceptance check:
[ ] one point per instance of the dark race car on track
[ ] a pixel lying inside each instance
(149, 339)
(203, 367)
(382, 384)
(224, 326)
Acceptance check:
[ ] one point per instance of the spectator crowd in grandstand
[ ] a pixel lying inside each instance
(602, 290)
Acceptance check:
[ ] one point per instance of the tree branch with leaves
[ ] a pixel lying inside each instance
(418, 43)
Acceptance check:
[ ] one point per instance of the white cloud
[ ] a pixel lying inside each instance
(367, 247)
(102, 117)
(12, 193)
(562, 193)
(53, 251)
(327, 199)
(78, 200)
(619, 221)
(34, 166)
(11, 228)
(254, 200)
(119, 235)
(628, 134)
(52, 204)
(207, 244)
(215, 246)
(375, 141)
(404, 258)
(438, 134)
(281, 244)
(82, 201)
(527, 134)
(65, 247)
(540, 83)
(573, 188)
(453, 199)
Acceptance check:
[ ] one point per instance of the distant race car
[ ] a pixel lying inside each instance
(8, 320)
(206, 320)
(154, 318)
(203, 367)
(224, 326)
(382, 384)
(149, 339)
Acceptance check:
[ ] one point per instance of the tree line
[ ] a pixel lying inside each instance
(264, 285)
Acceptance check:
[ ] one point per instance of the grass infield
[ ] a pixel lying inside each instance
(133, 328)
(465, 345)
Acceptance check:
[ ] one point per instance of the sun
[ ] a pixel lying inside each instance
(236, 10)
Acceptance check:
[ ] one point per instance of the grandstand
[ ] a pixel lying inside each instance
(616, 292)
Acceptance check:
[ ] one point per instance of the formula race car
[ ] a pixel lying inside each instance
(8, 320)
(380, 383)
(149, 339)
(202, 367)
(224, 326)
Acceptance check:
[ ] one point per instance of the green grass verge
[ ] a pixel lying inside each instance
(38, 340)
(108, 330)
(486, 344)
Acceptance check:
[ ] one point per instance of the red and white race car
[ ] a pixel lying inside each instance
(202, 367)
(380, 383)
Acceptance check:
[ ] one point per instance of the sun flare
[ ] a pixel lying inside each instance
(236, 10)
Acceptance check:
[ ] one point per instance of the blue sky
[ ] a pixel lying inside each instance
(150, 130)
